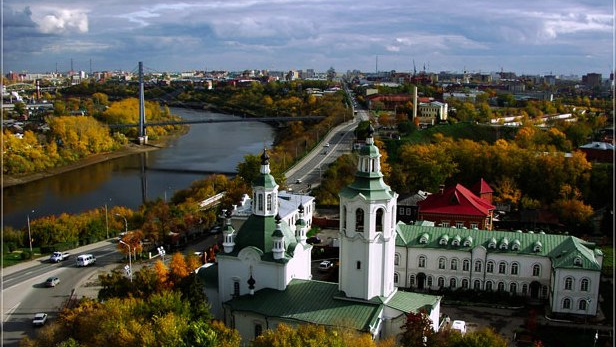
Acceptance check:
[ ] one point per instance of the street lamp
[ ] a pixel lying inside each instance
(130, 265)
(162, 252)
(29, 233)
(125, 222)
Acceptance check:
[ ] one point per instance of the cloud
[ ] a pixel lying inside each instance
(63, 21)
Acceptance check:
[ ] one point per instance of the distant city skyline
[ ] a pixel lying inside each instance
(560, 37)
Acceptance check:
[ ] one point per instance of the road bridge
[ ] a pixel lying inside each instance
(232, 120)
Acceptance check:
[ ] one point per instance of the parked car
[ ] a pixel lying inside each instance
(57, 257)
(298, 181)
(39, 319)
(325, 265)
(52, 281)
(326, 144)
(215, 229)
(85, 260)
(313, 240)
(459, 325)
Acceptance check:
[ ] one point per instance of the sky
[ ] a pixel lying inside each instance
(568, 37)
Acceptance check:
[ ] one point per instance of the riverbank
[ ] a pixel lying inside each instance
(131, 148)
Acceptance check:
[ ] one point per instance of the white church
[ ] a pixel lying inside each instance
(263, 275)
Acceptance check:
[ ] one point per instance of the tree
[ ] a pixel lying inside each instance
(312, 335)
(417, 329)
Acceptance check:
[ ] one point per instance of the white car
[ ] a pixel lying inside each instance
(325, 265)
(459, 325)
(39, 319)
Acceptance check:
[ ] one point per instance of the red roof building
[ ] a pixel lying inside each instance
(483, 190)
(457, 207)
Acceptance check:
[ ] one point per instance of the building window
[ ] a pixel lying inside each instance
(477, 285)
(459, 225)
(492, 243)
(454, 264)
(502, 267)
(269, 202)
(396, 277)
(441, 263)
(440, 282)
(424, 239)
(536, 270)
(524, 289)
(408, 211)
(501, 286)
(568, 283)
(258, 330)
(379, 220)
(445, 224)
(582, 305)
(359, 220)
(577, 261)
(443, 241)
(358, 265)
(514, 268)
(468, 241)
(429, 281)
(513, 288)
(490, 267)
(412, 280)
(489, 286)
(260, 202)
(584, 284)
(422, 261)
(567, 304)
(465, 283)
(473, 225)
(466, 265)
(397, 259)
(236, 288)
(478, 266)
(401, 211)
(452, 282)
(544, 292)
(344, 217)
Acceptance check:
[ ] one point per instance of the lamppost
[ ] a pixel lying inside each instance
(125, 222)
(106, 221)
(29, 233)
(130, 265)
(162, 252)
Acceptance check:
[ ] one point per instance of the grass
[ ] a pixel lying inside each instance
(13, 258)
(608, 260)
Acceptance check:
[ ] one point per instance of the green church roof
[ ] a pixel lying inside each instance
(257, 231)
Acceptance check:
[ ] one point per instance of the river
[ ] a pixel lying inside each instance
(209, 147)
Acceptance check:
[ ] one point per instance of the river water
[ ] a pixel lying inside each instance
(209, 147)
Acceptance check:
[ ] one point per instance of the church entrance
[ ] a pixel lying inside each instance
(421, 280)
(535, 287)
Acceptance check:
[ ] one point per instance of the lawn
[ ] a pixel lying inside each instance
(15, 257)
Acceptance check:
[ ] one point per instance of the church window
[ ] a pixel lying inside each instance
(412, 280)
(501, 286)
(429, 281)
(524, 289)
(477, 265)
(260, 202)
(269, 202)
(465, 283)
(584, 284)
(536, 270)
(454, 264)
(513, 288)
(477, 285)
(567, 304)
(582, 305)
(515, 268)
(422, 261)
(452, 282)
(490, 267)
(502, 267)
(466, 265)
(397, 259)
(258, 330)
(441, 263)
(358, 265)
(577, 261)
(440, 282)
(379, 219)
(568, 283)
(344, 217)
(396, 277)
(489, 286)
(236, 288)
(359, 220)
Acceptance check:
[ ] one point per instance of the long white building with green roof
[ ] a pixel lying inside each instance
(263, 276)
(560, 269)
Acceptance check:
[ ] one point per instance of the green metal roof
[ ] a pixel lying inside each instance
(208, 276)
(310, 302)
(412, 302)
(264, 180)
(552, 245)
(257, 231)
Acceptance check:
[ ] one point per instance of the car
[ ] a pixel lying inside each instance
(298, 181)
(325, 265)
(459, 325)
(215, 229)
(52, 281)
(85, 260)
(57, 257)
(39, 319)
(326, 144)
(313, 240)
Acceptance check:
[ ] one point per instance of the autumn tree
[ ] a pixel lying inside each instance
(417, 330)
(315, 335)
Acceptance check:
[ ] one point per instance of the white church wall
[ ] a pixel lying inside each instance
(576, 292)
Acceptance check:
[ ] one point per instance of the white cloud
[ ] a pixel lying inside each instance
(62, 21)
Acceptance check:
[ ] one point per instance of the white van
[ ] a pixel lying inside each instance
(85, 260)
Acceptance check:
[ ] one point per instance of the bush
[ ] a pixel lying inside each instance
(26, 255)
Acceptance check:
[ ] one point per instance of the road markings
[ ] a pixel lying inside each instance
(10, 311)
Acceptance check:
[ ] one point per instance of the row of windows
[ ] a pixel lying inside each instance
(459, 225)
(268, 200)
(582, 304)
(359, 219)
(453, 265)
(584, 284)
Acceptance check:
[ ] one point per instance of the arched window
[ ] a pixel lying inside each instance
(516, 245)
(412, 280)
(452, 282)
(260, 202)
(344, 217)
(379, 219)
(396, 277)
(429, 281)
(424, 238)
(582, 305)
(454, 264)
(359, 220)
(468, 241)
(465, 283)
(397, 259)
(421, 261)
(489, 286)
(258, 330)
(567, 304)
(492, 243)
(513, 288)
(568, 283)
(502, 267)
(514, 268)
(477, 285)
(501, 286)
(477, 265)
(577, 261)
(236, 288)
(584, 284)
(269, 202)
(524, 289)
(490, 267)
(442, 263)
(536, 270)
(466, 265)
(440, 282)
